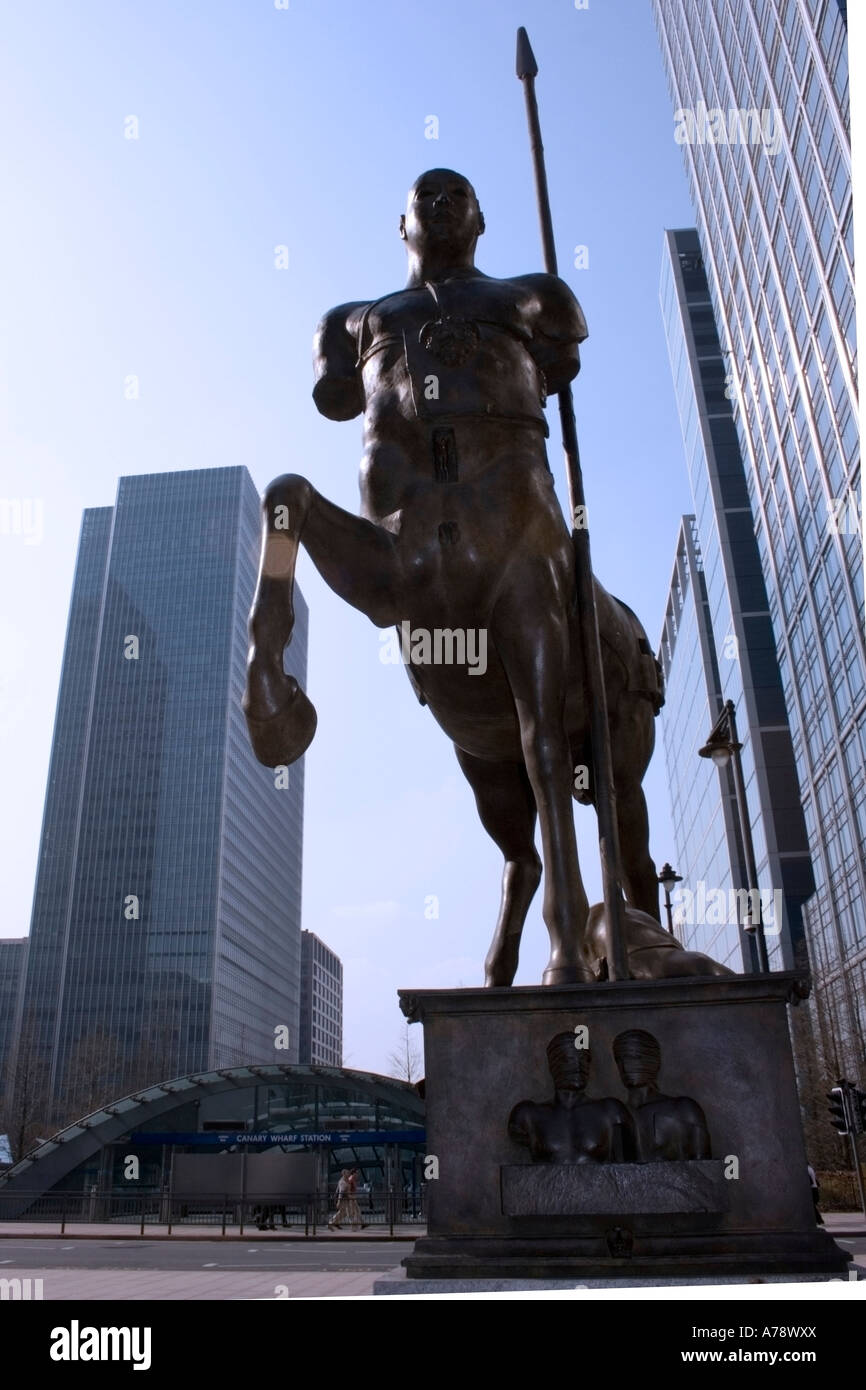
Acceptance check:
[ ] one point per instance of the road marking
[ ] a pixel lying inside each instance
(212, 1265)
(29, 1245)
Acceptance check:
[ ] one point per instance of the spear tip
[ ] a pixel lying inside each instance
(526, 64)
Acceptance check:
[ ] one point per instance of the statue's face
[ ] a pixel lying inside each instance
(442, 211)
(569, 1066)
(636, 1070)
(569, 1079)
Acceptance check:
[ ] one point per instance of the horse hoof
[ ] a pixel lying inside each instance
(568, 975)
(498, 980)
(651, 952)
(284, 737)
(500, 966)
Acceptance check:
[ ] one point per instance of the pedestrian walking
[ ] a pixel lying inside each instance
(340, 1200)
(352, 1210)
(264, 1217)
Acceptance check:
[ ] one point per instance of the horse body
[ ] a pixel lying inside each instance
(398, 570)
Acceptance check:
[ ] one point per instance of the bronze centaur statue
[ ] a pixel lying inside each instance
(461, 533)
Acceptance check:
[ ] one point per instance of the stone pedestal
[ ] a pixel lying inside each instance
(744, 1211)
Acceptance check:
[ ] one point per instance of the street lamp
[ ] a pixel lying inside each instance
(723, 747)
(669, 878)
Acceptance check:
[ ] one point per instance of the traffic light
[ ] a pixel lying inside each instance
(855, 1106)
(839, 1117)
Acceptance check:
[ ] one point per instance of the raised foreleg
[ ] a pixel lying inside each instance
(355, 558)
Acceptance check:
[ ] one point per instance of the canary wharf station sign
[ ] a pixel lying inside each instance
(244, 1138)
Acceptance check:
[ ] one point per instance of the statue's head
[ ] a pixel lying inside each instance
(442, 212)
(638, 1057)
(569, 1065)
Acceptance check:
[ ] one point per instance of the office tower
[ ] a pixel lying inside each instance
(707, 849)
(718, 645)
(321, 1004)
(13, 953)
(760, 98)
(166, 922)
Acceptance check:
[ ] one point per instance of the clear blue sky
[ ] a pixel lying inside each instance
(304, 127)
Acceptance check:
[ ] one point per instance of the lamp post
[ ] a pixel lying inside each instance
(669, 878)
(723, 747)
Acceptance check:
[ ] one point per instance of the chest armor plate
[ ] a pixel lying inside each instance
(460, 349)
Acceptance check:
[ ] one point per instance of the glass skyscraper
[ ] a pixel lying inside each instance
(13, 955)
(321, 1003)
(707, 850)
(760, 93)
(165, 935)
(718, 645)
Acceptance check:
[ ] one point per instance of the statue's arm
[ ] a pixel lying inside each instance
(558, 326)
(337, 392)
(696, 1128)
(520, 1122)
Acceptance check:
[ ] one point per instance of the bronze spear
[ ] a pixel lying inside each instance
(605, 792)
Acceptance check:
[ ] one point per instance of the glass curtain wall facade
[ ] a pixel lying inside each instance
(13, 954)
(321, 1003)
(760, 95)
(166, 924)
(729, 652)
(703, 809)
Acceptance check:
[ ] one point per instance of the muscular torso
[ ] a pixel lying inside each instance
(468, 354)
(670, 1127)
(455, 465)
(593, 1131)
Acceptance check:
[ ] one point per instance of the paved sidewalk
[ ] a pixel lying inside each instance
(153, 1285)
(92, 1230)
(221, 1285)
(845, 1223)
(838, 1223)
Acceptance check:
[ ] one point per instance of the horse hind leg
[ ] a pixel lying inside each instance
(530, 634)
(507, 810)
(640, 881)
(354, 557)
(632, 738)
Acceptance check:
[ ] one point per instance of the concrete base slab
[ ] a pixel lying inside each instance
(397, 1282)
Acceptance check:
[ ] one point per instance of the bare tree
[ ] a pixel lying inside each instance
(407, 1059)
(99, 1071)
(93, 1074)
(155, 1055)
(25, 1107)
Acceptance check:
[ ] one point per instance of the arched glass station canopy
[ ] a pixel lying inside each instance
(342, 1117)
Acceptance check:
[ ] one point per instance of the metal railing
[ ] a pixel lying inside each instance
(309, 1212)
